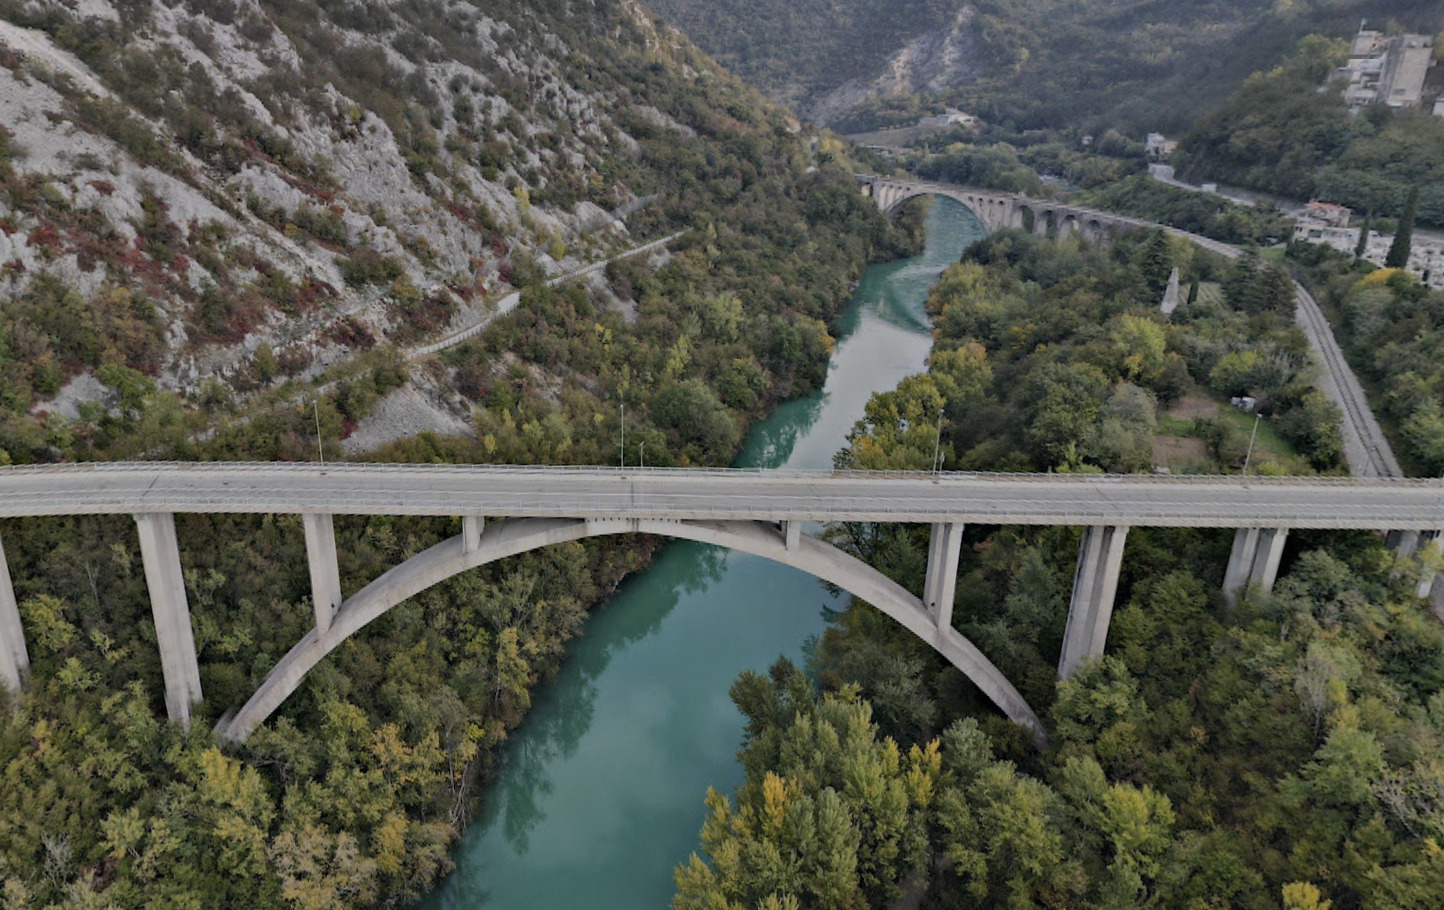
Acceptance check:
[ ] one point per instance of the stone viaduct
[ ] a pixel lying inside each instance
(999, 211)
(755, 512)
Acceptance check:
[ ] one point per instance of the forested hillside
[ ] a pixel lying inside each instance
(856, 65)
(1284, 133)
(200, 200)
(1283, 752)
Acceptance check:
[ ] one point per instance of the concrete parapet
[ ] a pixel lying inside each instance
(1095, 585)
(14, 658)
(161, 556)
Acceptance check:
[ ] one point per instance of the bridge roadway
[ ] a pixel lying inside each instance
(723, 495)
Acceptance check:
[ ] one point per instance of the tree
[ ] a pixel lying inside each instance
(1156, 261)
(1139, 346)
(1398, 256)
(829, 814)
(1363, 245)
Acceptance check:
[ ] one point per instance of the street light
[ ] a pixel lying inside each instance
(1251, 437)
(622, 456)
(316, 409)
(938, 444)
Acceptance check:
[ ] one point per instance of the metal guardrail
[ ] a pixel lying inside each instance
(345, 467)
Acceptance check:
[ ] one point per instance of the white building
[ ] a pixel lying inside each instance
(1388, 70)
(1426, 254)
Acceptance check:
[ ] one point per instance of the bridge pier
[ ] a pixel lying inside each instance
(791, 534)
(1254, 561)
(940, 586)
(471, 528)
(1095, 584)
(160, 554)
(14, 659)
(1406, 544)
(325, 574)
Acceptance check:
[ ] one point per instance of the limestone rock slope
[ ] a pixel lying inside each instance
(189, 185)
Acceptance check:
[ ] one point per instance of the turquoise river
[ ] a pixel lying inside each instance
(600, 795)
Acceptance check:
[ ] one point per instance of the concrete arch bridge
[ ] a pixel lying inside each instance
(759, 512)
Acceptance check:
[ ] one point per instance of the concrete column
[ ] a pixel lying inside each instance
(471, 528)
(161, 556)
(1266, 565)
(792, 534)
(1254, 561)
(14, 659)
(1240, 564)
(941, 584)
(1095, 584)
(325, 575)
(1429, 542)
(1403, 543)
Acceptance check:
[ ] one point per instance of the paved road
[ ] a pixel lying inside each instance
(509, 302)
(598, 493)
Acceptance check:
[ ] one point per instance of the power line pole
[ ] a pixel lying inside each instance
(316, 408)
(1251, 437)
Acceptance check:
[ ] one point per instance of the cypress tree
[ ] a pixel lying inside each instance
(1193, 293)
(1363, 245)
(1157, 261)
(1398, 256)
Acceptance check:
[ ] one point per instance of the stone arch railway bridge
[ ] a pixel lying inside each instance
(755, 512)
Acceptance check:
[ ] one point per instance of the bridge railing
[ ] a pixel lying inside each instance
(361, 467)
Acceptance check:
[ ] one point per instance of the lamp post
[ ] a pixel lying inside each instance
(622, 456)
(938, 444)
(316, 409)
(1251, 437)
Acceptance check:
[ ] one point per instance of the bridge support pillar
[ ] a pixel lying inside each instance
(325, 574)
(1254, 561)
(792, 534)
(161, 556)
(1095, 584)
(1427, 545)
(471, 528)
(14, 659)
(941, 584)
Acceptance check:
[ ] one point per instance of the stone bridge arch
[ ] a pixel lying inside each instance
(512, 537)
(994, 210)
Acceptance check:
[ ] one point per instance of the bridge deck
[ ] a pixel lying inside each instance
(701, 494)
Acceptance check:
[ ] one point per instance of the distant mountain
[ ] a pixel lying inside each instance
(1137, 64)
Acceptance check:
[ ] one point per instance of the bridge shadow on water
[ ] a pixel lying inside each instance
(565, 710)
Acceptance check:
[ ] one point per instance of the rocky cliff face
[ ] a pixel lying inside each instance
(193, 182)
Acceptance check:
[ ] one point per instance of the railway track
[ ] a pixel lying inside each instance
(1366, 449)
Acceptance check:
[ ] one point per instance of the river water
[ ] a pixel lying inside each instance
(600, 795)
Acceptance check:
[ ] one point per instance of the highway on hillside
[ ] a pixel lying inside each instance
(719, 495)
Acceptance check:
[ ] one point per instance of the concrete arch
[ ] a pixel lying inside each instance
(511, 537)
(1069, 225)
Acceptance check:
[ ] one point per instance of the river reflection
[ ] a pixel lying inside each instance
(601, 792)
